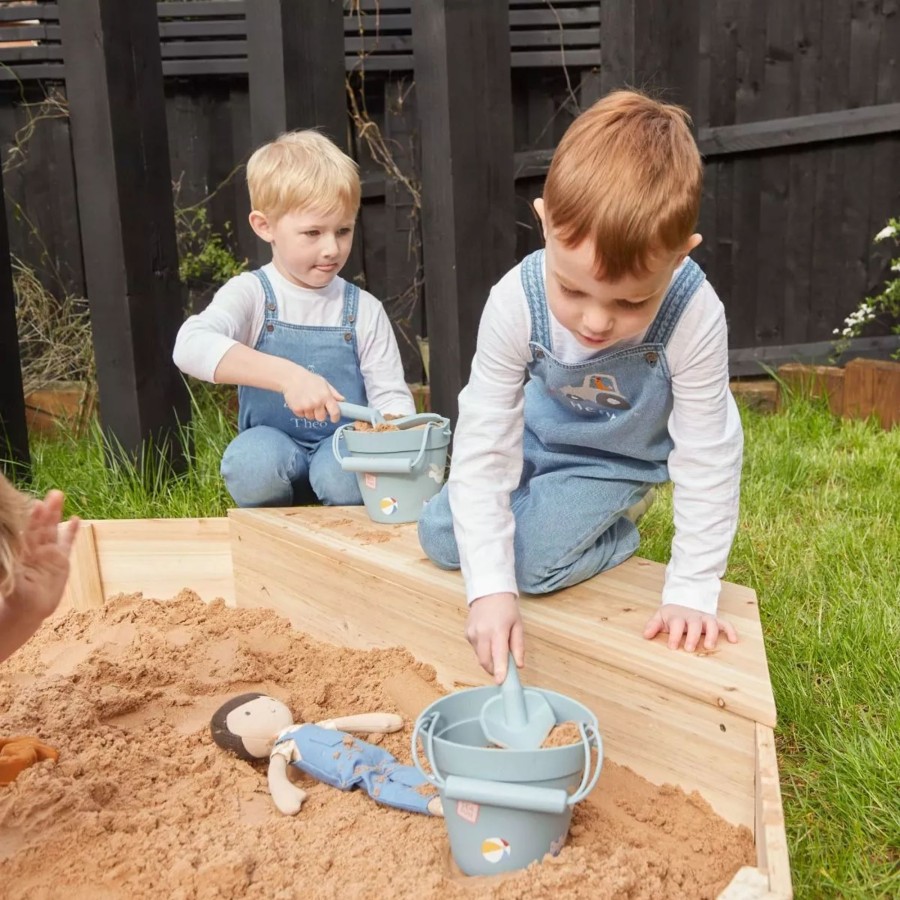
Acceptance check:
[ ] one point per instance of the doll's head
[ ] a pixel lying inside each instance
(248, 724)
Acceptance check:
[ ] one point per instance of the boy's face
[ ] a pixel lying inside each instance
(601, 313)
(308, 247)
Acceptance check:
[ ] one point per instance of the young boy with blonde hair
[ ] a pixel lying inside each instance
(625, 343)
(34, 562)
(294, 335)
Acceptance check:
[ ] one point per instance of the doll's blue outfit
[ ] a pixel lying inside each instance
(344, 762)
(595, 440)
(279, 458)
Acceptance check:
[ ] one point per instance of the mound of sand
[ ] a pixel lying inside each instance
(143, 804)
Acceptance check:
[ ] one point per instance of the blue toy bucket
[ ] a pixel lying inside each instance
(504, 809)
(398, 472)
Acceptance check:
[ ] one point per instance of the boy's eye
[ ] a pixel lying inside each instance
(630, 304)
(571, 292)
(344, 231)
(312, 233)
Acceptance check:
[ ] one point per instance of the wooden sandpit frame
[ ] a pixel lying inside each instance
(700, 721)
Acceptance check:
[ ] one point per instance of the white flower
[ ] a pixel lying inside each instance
(886, 232)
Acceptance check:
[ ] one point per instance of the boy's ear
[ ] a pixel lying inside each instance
(541, 214)
(260, 225)
(691, 244)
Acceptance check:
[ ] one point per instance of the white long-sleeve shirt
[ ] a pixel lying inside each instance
(237, 314)
(704, 425)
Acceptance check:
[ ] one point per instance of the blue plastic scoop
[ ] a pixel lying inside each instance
(374, 417)
(515, 718)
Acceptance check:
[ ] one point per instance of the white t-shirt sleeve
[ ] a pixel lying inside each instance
(705, 464)
(379, 359)
(487, 448)
(235, 316)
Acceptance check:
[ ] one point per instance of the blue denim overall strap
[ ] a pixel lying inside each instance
(344, 762)
(329, 351)
(612, 410)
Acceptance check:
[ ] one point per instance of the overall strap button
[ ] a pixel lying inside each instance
(270, 327)
(270, 307)
(652, 357)
(538, 354)
(347, 336)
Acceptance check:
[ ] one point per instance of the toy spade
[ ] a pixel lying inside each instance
(374, 417)
(515, 718)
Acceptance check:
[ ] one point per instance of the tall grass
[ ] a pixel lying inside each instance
(819, 541)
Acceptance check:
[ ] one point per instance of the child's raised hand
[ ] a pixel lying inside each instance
(494, 629)
(43, 567)
(691, 624)
(310, 396)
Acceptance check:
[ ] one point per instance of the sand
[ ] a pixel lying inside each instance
(142, 804)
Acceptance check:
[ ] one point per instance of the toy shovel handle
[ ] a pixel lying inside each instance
(514, 707)
(360, 413)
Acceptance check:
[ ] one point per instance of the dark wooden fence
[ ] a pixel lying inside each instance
(797, 109)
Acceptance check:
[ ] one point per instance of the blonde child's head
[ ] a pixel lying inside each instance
(302, 170)
(626, 177)
(13, 507)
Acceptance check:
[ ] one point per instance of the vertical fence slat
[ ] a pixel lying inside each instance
(124, 187)
(13, 432)
(295, 57)
(467, 185)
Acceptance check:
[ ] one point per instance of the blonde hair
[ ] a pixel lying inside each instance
(13, 508)
(627, 175)
(302, 170)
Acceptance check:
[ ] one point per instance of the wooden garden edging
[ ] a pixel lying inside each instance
(863, 388)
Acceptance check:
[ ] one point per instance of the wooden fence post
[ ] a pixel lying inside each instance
(13, 430)
(124, 187)
(295, 57)
(461, 54)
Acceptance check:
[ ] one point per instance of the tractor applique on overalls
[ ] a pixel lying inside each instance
(596, 395)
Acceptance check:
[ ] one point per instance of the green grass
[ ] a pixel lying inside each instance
(819, 541)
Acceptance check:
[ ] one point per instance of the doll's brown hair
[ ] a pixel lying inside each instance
(13, 508)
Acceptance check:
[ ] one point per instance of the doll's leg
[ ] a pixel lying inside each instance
(331, 484)
(570, 526)
(436, 532)
(262, 465)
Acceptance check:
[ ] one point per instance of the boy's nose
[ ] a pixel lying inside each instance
(598, 321)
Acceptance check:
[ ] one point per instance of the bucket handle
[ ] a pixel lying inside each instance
(496, 793)
(425, 726)
(588, 781)
(373, 464)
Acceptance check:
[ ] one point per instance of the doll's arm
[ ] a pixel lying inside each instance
(286, 795)
(374, 723)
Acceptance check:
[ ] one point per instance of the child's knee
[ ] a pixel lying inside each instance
(436, 532)
(337, 489)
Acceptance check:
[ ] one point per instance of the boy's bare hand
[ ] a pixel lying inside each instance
(43, 568)
(310, 396)
(691, 624)
(494, 628)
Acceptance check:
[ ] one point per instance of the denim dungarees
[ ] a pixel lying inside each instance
(279, 458)
(595, 439)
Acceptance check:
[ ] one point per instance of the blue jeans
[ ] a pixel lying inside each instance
(263, 466)
(567, 530)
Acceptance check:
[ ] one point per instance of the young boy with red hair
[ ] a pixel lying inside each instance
(625, 345)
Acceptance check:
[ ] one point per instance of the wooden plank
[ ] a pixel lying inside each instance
(160, 557)
(296, 68)
(800, 130)
(115, 95)
(769, 832)
(814, 381)
(468, 200)
(347, 563)
(14, 454)
(757, 360)
(84, 589)
(872, 388)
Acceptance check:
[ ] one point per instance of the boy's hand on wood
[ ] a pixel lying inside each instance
(494, 629)
(691, 624)
(43, 568)
(310, 396)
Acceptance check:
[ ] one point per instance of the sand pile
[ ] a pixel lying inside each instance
(143, 804)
